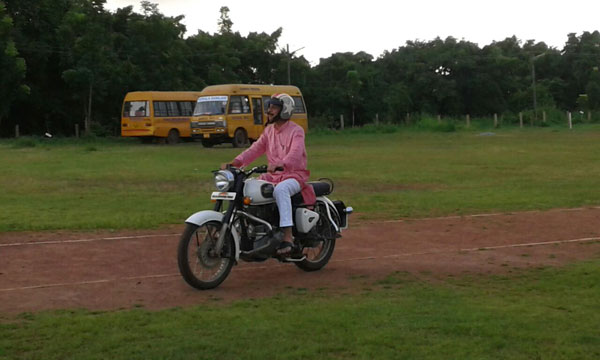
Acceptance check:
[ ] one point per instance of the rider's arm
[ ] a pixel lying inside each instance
(252, 153)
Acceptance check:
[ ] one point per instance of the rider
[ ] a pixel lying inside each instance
(283, 143)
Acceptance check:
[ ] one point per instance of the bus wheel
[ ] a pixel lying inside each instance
(173, 137)
(240, 138)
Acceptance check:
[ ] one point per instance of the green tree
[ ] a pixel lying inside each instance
(12, 65)
(580, 55)
(593, 90)
(397, 101)
(225, 23)
(332, 83)
(353, 84)
(86, 31)
(48, 105)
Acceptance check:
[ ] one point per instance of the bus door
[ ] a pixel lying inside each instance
(258, 117)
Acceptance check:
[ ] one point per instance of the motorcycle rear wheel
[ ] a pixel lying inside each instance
(199, 265)
(318, 256)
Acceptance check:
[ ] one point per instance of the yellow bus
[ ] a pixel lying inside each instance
(236, 113)
(162, 115)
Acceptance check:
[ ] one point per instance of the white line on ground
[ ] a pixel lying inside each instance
(474, 249)
(51, 242)
(489, 214)
(155, 276)
(386, 221)
(88, 282)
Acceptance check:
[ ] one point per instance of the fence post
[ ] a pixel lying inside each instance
(407, 118)
(342, 122)
(17, 131)
(570, 119)
(468, 120)
(520, 119)
(589, 116)
(377, 119)
(531, 121)
(544, 116)
(439, 118)
(77, 130)
(495, 120)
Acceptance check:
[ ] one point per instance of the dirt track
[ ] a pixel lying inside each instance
(107, 270)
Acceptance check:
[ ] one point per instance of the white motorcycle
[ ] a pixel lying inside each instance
(215, 240)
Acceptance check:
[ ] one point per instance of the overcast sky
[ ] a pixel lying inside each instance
(325, 27)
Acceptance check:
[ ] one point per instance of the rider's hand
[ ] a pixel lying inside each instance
(234, 163)
(273, 167)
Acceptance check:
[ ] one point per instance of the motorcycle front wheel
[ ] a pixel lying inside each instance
(199, 263)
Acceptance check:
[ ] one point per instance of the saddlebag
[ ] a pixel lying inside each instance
(341, 209)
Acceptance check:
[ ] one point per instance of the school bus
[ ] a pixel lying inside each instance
(236, 113)
(162, 115)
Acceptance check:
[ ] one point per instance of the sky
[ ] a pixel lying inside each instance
(318, 29)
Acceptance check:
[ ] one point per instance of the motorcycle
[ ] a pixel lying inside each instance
(214, 240)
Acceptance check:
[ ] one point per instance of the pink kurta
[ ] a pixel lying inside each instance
(282, 146)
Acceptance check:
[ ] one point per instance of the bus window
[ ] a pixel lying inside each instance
(210, 105)
(186, 108)
(160, 108)
(266, 102)
(135, 108)
(172, 109)
(239, 105)
(258, 115)
(298, 105)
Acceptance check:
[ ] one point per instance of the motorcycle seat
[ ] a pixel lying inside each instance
(321, 188)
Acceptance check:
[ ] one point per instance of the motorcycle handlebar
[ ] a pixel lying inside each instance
(263, 169)
(258, 169)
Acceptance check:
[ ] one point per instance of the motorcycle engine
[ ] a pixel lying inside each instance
(268, 213)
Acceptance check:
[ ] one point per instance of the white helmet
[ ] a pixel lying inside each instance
(285, 102)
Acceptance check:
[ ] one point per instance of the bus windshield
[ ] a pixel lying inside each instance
(136, 108)
(211, 105)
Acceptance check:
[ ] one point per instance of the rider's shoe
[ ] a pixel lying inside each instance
(268, 244)
(285, 248)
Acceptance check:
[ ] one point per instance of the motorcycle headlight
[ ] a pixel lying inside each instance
(223, 180)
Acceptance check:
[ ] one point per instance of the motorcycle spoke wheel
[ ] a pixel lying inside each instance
(318, 256)
(317, 253)
(199, 263)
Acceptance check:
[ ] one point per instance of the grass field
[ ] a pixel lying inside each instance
(116, 185)
(539, 314)
(550, 313)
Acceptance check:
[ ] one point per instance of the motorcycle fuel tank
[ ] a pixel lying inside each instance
(260, 191)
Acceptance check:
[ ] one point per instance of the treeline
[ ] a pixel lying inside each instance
(67, 62)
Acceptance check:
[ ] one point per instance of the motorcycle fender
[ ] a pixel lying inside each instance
(202, 217)
(330, 208)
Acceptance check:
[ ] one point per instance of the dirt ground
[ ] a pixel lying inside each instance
(126, 269)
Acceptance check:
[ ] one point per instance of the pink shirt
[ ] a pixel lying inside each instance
(283, 146)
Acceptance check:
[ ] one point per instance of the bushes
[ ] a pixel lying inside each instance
(426, 122)
(434, 125)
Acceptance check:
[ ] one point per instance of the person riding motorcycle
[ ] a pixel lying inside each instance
(283, 143)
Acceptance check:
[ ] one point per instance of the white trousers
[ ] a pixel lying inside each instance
(283, 196)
